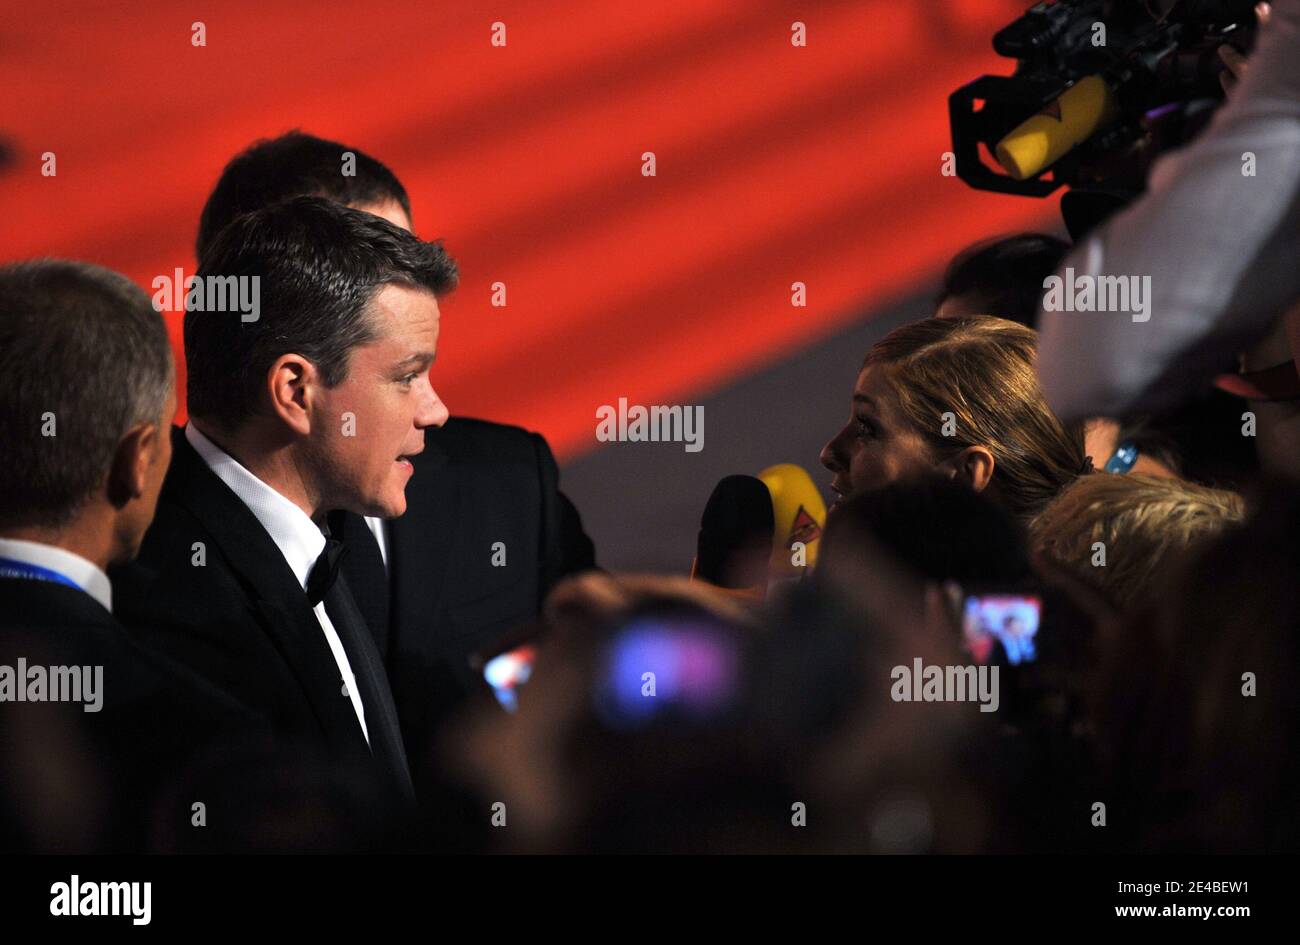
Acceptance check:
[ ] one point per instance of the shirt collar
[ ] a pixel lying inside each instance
(299, 539)
(84, 573)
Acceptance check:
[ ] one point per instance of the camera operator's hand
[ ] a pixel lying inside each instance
(1234, 59)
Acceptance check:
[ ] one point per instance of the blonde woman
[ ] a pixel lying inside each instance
(958, 396)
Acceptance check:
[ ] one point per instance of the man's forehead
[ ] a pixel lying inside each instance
(400, 308)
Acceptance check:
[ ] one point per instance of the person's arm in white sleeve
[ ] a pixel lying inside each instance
(1221, 248)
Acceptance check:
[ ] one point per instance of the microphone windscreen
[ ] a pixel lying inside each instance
(736, 529)
(1037, 143)
(799, 515)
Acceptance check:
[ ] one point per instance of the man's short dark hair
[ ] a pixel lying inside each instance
(294, 165)
(938, 527)
(83, 358)
(318, 264)
(1004, 276)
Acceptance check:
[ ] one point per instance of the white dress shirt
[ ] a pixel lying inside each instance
(294, 533)
(1219, 245)
(85, 574)
(376, 526)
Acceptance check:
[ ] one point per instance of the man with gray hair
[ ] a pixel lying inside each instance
(88, 387)
(86, 395)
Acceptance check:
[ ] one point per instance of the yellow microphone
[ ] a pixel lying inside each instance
(1083, 109)
(799, 514)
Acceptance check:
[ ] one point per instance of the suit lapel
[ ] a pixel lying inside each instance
(287, 617)
(367, 575)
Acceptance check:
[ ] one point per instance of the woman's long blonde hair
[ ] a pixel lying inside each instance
(981, 370)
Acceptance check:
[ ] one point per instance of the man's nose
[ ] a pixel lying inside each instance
(433, 412)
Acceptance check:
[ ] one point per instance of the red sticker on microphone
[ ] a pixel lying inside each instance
(804, 528)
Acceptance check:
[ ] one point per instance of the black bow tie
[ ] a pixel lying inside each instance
(325, 571)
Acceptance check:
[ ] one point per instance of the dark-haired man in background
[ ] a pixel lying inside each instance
(429, 582)
(1002, 276)
(316, 405)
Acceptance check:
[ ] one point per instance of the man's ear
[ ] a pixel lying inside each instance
(974, 465)
(291, 383)
(128, 476)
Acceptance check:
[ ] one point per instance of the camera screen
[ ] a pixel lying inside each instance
(678, 670)
(507, 673)
(1001, 621)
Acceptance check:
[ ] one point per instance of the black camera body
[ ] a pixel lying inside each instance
(1151, 68)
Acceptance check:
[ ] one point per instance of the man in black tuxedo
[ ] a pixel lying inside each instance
(486, 534)
(309, 332)
(93, 729)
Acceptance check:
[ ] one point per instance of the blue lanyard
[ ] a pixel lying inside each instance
(9, 568)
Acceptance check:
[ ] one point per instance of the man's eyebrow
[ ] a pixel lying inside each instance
(420, 358)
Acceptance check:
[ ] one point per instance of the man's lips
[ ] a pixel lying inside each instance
(405, 458)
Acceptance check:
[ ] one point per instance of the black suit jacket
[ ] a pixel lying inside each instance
(212, 590)
(486, 535)
(156, 723)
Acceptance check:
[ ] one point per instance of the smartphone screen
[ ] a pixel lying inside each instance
(508, 672)
(1001, 622)
(675, 670)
